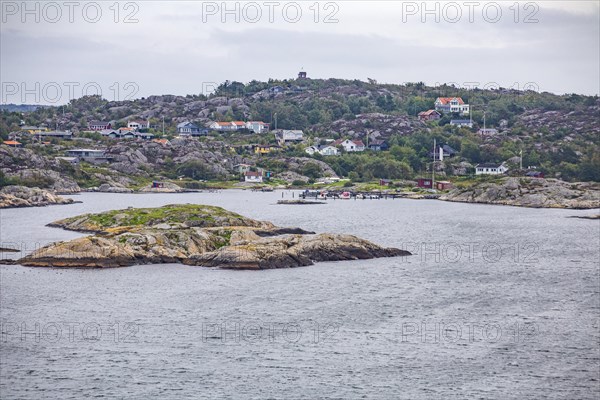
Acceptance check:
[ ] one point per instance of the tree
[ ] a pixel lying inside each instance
(470, 151)
(195, 169)
(312, 170)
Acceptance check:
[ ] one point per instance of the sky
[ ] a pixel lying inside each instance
(51, 52)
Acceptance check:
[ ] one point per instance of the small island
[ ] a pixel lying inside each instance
(198, 235)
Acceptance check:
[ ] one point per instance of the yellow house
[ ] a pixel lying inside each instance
(33, 129)
(264, 149)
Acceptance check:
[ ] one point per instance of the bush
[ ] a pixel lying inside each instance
(348, 184)
(298, 182)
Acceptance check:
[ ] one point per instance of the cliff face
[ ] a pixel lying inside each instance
(196, 235)
(22, 196)
(530, 192)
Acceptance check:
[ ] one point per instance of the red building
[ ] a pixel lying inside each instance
(429, 115)
(424, 183)
(99, 126)
(444, 185)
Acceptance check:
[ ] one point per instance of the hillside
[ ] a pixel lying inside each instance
(556, 134)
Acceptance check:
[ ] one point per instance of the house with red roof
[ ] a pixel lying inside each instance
(429, 115)
(451, 105)
(223, 126)
(12, 143)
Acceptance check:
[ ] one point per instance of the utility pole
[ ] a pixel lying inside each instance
(521, 159)
(433, 167)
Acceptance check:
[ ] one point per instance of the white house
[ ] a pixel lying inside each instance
(326, 150)
(487, 131)
(490, 169)
(223, 126)
(257, 126)
(253, 177)
(350, 145)
(462, 122)
(312, 150)
(289, 136)
(451, 105)
(137, 125)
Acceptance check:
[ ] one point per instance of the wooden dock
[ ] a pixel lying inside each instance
(363, 195)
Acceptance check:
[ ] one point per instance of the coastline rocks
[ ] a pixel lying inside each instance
(47, 179)
(215, 238)
(290, 251)
(167, 187)
(22, 196)
(530, 192)
(107, 188)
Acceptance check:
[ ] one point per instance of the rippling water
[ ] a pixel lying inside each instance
(497, 303)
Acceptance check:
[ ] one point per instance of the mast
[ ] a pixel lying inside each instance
(521, 159)
(433, 167)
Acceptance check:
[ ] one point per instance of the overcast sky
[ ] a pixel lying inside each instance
(186, 47)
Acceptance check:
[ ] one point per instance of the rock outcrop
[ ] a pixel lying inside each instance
(530, 192)
(196, 235)
(22, 196)
(165, 187)
(291, 251)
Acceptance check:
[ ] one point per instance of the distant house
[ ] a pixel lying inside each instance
(242, 168)
(276, 89)
(257, 126)
(112, 133)
(378, 145)
(53, 134)
(487, 131)
(429, 115)
(444, 185)
(143, 135)
(425, 183)
(222, 126)
(490, 169)
(188, 128)
(385, 182)
(350, 145)
(70, 160)
(462, 123)
(264, 149)
(446, 151)
(311, 150)
(289, 136)
(137, 125)
(253, 177)
(239, 125)
(12, 143)
(99, 125)
(164, 142)
(325, 150)
(90, 155)
(535, 174)
(451, 105)
(33, 129)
